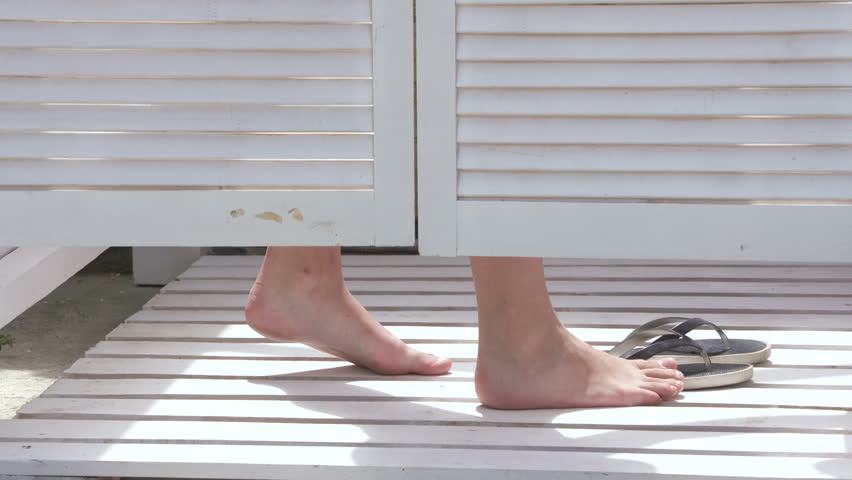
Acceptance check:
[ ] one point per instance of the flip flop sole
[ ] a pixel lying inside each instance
(720, 375)
(752, 358)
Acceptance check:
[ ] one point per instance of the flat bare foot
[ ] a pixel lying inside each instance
(329, 318)
(560, 371)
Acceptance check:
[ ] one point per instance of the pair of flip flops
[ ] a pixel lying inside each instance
(704, 363)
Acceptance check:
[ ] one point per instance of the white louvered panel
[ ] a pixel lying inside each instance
(189, 10)
(738, 186)
(536, 18)
(663, 102)
(280, 174)
(187, 90)
(188, 98)
(223, 118)
(227, 36)
(710, 102)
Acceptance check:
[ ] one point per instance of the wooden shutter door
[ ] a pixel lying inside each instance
(641, 129)
(205, 122)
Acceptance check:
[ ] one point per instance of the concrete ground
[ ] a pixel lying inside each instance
(57, 331)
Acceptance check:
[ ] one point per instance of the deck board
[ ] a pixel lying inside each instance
(184, 389)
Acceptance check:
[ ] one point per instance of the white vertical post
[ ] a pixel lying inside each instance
(393, 121)
(161, 265)
(436, 126)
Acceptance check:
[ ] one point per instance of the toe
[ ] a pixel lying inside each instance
(663, 373)
(668, 363)
(426, 364)
(645, 397)
(664, 389)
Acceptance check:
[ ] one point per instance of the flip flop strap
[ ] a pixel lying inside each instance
(693, 323)
(665, 345)
(641, 337)
(659, 323)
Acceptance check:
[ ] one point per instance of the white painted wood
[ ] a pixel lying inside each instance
(321, 91)
(705, 272)
(435, 334)
(415, 436)
(171, 64)
(28, 274)
(127, 105)
(270, 462)
(206, 36)
(658, 185)
(597, 317)
(161, 265)
(415, 300)
(201, 358)
(656, 75)
(190, 10)
(533, 18)
(400, 390)
(706, 232)
(643, 158)
(672, 417)
(621, 2)
(522, 130)
(556, 287)
(393, 143)
(655, 102)
(801, 46)
(228, 218)
(211, 118)
(436, 131)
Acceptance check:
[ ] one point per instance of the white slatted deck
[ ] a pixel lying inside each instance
(184, 389)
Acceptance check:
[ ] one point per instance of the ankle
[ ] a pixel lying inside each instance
(520, 338)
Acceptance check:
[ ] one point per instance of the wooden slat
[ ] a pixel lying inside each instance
(623, 318)
(280, 174)
(189, 10)
(683, 18)
(810, 46)
(184, 145)
(556, 287)
(304, 363)
(621, 2)
(661, 102)
(187, 90)
(214, 301)
(243, 333)
(230, 118)
(395, 260)
(416, 436)
(670, 158)
(672, 417)
(524, 130)
(310, 462)
(591, 185)
(652, 74)
(402, 390)
(702, 272)
(148, 63)
(232, 36)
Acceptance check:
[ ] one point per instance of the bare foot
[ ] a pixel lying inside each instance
(560, 371)
(332, 320)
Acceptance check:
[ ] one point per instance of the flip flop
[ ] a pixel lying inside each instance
(723, 349)
(708, 374)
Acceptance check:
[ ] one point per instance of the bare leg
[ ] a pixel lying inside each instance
(527, 359)
(300, 295)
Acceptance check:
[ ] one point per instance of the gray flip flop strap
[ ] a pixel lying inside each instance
(658, 347)
(693, 323)
(640, 337)
(683, 326)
